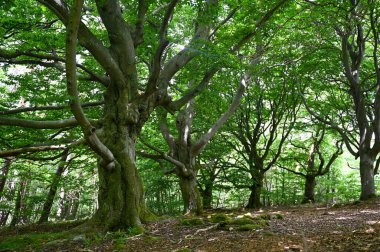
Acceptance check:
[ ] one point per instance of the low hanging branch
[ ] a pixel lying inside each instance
(72, 88)
(57, 124)
(39, 148)
(57, 107)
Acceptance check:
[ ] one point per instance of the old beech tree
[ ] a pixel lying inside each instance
(129, 51)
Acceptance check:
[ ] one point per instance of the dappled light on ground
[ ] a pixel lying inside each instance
(344, 228)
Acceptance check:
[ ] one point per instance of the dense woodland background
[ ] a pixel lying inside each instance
(214, 104)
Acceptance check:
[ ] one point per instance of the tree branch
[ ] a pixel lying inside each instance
(56, 107)
(88, 130)
(202, 142)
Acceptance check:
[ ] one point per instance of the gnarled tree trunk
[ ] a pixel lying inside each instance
(120, 191)
(192, 201)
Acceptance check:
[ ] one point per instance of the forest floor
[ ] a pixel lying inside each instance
(351, 227)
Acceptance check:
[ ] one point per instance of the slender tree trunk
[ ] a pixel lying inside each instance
(4, 174)
(74, 207)
(367, 177)
(192, 202)
(4, 218)
(18, 204)
(309, 189)
(53, 190)
(207, 196)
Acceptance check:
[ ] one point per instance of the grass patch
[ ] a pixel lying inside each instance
(31, 241)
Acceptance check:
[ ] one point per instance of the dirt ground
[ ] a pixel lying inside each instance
(353, 227)
(347, 228)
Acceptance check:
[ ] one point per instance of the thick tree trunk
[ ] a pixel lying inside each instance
(367, 177)
(207, 196)
(192, 202)
(255, 196)
(53, 190)
(121, 195)
(309, 190)
(4, 174)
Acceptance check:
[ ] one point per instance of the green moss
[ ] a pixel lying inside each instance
(267, 234)
(279, 216)
(248, 227)
(242, 221)
(135, 230)
(147, 216)
(263, 223)
(220, 217)
(191, 222)
(264, 216)
(153, 238)
(183, 250)
(119, 244)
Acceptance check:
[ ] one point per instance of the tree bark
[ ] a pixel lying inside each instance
(207, 196)
(309, 189)
(18, 204)
(74, 207)
(4, 174)
(53, 189)
(192, 202)
(4, 217)
(256, 188)
(121, 195)
(367, 177)
(254, 197)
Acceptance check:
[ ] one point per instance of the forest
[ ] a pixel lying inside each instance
(197, 125)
